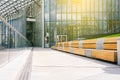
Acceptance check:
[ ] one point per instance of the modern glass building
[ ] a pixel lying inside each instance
(81, 18)
(45, 22)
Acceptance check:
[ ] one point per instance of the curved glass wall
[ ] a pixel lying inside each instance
(80, 19)
(12, 44)
(9, 38)
(13, 41)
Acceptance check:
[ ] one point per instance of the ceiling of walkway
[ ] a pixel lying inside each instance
(13, 6)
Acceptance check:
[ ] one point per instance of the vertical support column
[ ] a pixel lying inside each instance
(0, 33)
(6, 33)
(118, 51)
(42, 3)
(10, 31)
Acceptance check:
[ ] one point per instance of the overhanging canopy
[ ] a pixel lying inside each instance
(13, 6)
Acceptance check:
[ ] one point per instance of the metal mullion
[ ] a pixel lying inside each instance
(43, 27)
(60, 18)
(9, 21)
(86, 14)
(102, 17)
(107, 19)
(50, 23)
(77, 21)
(80, 13)
(71, 37)
(105, 14)
(111, 16)
(72, 28)
(98, 16)
(118, 11)
(90, 16)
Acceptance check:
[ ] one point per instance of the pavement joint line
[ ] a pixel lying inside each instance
(75, 66)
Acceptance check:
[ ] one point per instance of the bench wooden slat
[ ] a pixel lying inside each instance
(79, 51)
(109, 52)
(66, 44)
(90, 41)
(89, 46)
(109, 40)
(66, 49)
(110, 46)
(105, 55)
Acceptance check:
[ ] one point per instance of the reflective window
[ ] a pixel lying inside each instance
(82, 18)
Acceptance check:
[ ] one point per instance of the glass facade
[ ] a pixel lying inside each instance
(13, 23)
(63, 20)
(37, 27)
(9, 38)
(80, 19)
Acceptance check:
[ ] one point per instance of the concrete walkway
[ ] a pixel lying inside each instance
(53, 65)
(17, 66)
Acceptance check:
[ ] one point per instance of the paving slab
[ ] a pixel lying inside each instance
(14, 68)
(54, 65)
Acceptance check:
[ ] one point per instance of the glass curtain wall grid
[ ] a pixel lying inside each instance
(13, 29)
(37, 27)
(34, 27)
(80, 19)
(9, 37)
(14, 13)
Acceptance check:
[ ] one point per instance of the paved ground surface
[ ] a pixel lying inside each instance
(53, 65)
(9, 54)
(17, 66)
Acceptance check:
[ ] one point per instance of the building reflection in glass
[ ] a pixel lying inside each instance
(81, 18)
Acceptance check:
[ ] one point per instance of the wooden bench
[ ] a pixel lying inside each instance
(103, 49)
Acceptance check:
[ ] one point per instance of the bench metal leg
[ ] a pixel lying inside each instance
(118, 51)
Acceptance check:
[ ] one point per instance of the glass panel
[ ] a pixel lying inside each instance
(83, 18)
